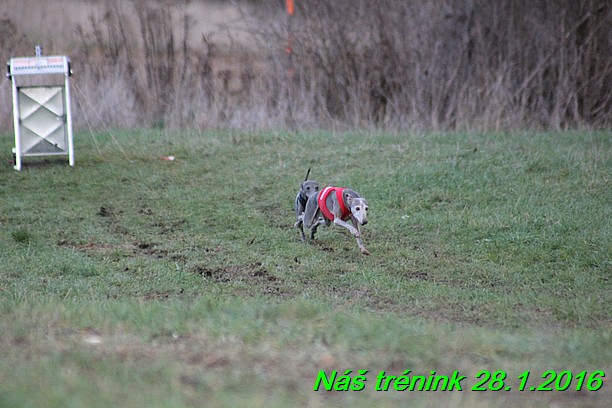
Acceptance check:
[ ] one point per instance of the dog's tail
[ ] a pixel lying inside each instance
(307, 174)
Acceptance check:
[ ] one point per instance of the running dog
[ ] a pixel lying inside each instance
(337, 205)
(307, 189)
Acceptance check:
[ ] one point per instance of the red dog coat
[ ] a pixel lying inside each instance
(323, 204)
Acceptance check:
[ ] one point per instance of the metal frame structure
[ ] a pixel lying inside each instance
(42, 117)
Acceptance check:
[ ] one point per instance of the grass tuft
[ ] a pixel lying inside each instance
(22, 236)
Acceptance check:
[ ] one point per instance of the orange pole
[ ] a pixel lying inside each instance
(290, 7)
(289, 48)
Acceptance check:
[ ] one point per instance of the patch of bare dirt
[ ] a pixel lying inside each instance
(137, 248)
(261, 281)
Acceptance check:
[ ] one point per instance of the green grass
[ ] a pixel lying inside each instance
(489, 252)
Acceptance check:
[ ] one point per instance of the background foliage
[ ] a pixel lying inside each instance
(388, 64)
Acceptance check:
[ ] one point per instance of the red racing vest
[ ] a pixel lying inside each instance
(322, 201)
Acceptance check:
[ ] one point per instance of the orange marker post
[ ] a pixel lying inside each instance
(290, 7)
(289, 50)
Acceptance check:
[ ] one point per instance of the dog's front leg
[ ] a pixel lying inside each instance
(354, 231)
(362, 247)
(299, 224)
(300, 221)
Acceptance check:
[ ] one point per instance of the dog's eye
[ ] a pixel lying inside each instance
(307, 188)
(366, 208)
(357, 208)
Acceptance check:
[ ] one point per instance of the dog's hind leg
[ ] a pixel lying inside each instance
(313, 228)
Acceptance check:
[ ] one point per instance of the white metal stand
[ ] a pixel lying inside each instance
(42, 117)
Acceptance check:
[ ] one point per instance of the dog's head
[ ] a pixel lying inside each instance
(359, 209)
(309, 188)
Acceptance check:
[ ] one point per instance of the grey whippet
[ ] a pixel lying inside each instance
(337, 205)
(307, 189)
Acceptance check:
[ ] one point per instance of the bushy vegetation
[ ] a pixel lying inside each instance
(390, 64)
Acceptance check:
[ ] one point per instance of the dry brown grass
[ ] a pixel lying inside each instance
(387, 64)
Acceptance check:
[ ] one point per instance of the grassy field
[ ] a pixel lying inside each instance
(133, 281)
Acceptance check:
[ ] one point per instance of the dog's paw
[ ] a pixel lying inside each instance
(365, 251)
